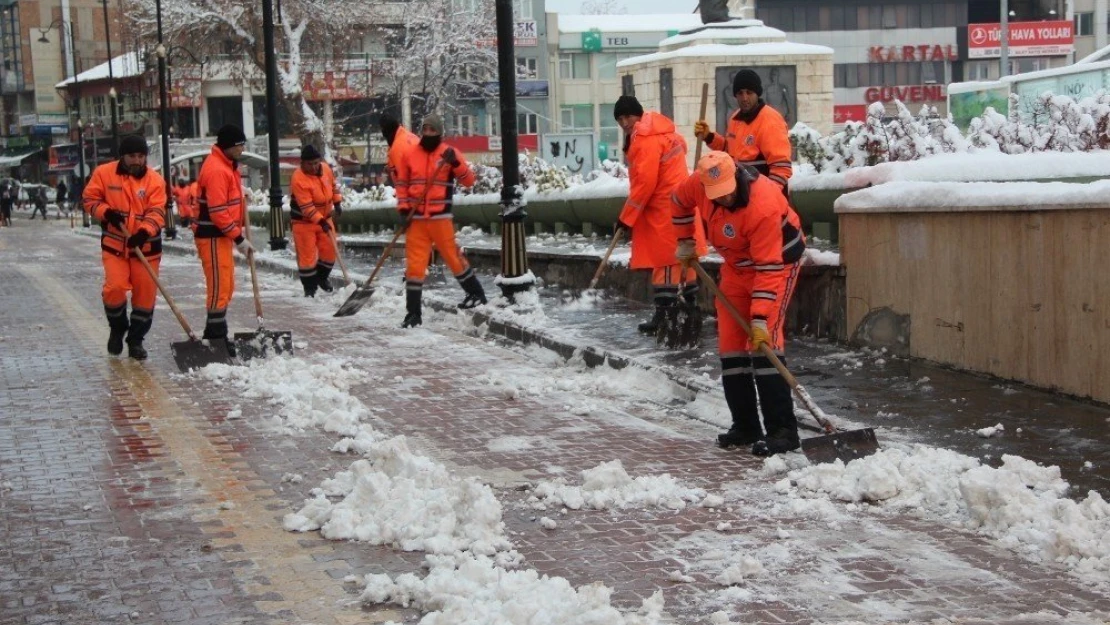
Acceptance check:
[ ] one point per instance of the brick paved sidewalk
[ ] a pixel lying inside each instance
(128, 494)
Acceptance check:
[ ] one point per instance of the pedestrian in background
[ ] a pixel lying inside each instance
(752, 226)
(221, 216)
(38, 201)
(7, 201)
(61, 197)
(129, 201)
(314, 200)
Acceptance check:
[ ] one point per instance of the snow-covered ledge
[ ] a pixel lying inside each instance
(1000, 278)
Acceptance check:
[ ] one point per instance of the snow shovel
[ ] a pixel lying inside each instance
(194, 353)
(362, 293)
(845, 445)
(262, 342)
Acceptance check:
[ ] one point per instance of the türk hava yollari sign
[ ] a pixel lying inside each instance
(1026, 39)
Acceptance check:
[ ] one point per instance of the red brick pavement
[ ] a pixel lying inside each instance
(114, 473)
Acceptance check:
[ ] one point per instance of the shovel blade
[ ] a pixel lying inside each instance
(845, 446)
(356, 301)
(193, 354)
(262, 343)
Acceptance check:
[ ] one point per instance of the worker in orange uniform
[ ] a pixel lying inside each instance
(656, 157)
(429, 172)
(183, 201)
(221, 215)
(125, 195)
(400, 141)
(751, 224)
(757, 135)
(315, 195)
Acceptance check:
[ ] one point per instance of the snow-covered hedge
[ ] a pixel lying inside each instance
(1059, 123)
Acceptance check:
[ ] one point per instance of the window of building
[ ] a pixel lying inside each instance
(467, 6)
(1084, 24)
(527, 123)
(610, 131)
(607, 63)
(574, 66)
(100, 106)
(527, 67)
(522, 9)
(577, 117)
(465, 125)
(979, 70)
(889, 17)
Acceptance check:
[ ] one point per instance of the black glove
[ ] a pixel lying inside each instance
(450, 157)
(620, 225)
(325, 225)
(115, 217)
(336, 211)
(138, 239)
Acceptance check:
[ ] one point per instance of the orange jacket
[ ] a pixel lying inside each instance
(220, 205)
(430, 182)
(759, 139)
(403, 141)
(313, 195)
(656, 165)
(142, 200)
(181, 197)
(758, 239)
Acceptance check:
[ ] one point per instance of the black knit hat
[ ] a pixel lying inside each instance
(230, 136)
(389, 126)
(310, 153)
(747, 79)
(627, 105)
(133, 144)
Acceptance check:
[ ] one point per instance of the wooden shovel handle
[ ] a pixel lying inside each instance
(338, 256)
(605, 259)
(799, 391)
(161, 289)
(701, 116)
(254, 273)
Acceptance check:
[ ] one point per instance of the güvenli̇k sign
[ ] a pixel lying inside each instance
(1049, 38)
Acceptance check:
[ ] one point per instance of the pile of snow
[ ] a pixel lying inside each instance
(471, 591)
(1021, 504)
(994, 430)
(608, 486)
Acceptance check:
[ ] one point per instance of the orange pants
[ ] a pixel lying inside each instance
(420, 237)
(737, 286)
(314, 247)
(128, 274)
(219, 280)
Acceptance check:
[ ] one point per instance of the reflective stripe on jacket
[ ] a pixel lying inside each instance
(220, 206)
(431, 182)
(141, 200)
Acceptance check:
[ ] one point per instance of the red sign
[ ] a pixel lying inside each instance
(1025, 39)
(336, 85)
(922, 53)
(843, 113)
(909, 93)
(185, 87)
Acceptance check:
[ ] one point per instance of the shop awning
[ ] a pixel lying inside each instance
(13, 160)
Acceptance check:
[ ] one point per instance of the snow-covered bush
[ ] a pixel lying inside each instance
(545, 177)
(1057, 123)
(614, 169)
(488, 181)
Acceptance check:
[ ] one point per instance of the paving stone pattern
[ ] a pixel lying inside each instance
(128, 495)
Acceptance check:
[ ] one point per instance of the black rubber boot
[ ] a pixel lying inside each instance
(736, 378)
(413, 292)
(215, 327)
(141, 320)
(777, 405)
(310, 285)
(652, 325)
(117, 328)
(322, 273)
(475, 294)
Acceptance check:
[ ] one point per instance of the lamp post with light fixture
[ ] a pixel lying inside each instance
(67, 29)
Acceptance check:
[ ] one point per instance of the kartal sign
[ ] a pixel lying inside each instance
(1026, 39)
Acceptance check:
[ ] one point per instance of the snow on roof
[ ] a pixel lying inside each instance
(123, 66)
(1102, 54)
(904, 197)
(743, 50)
(628, 23)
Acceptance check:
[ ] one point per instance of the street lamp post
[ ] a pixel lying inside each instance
(515, 276)
(277, 220)
(163, 121)
(112, 94)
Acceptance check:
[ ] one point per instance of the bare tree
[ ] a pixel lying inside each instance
(310, 38)
(442, 52)
(603, 7)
